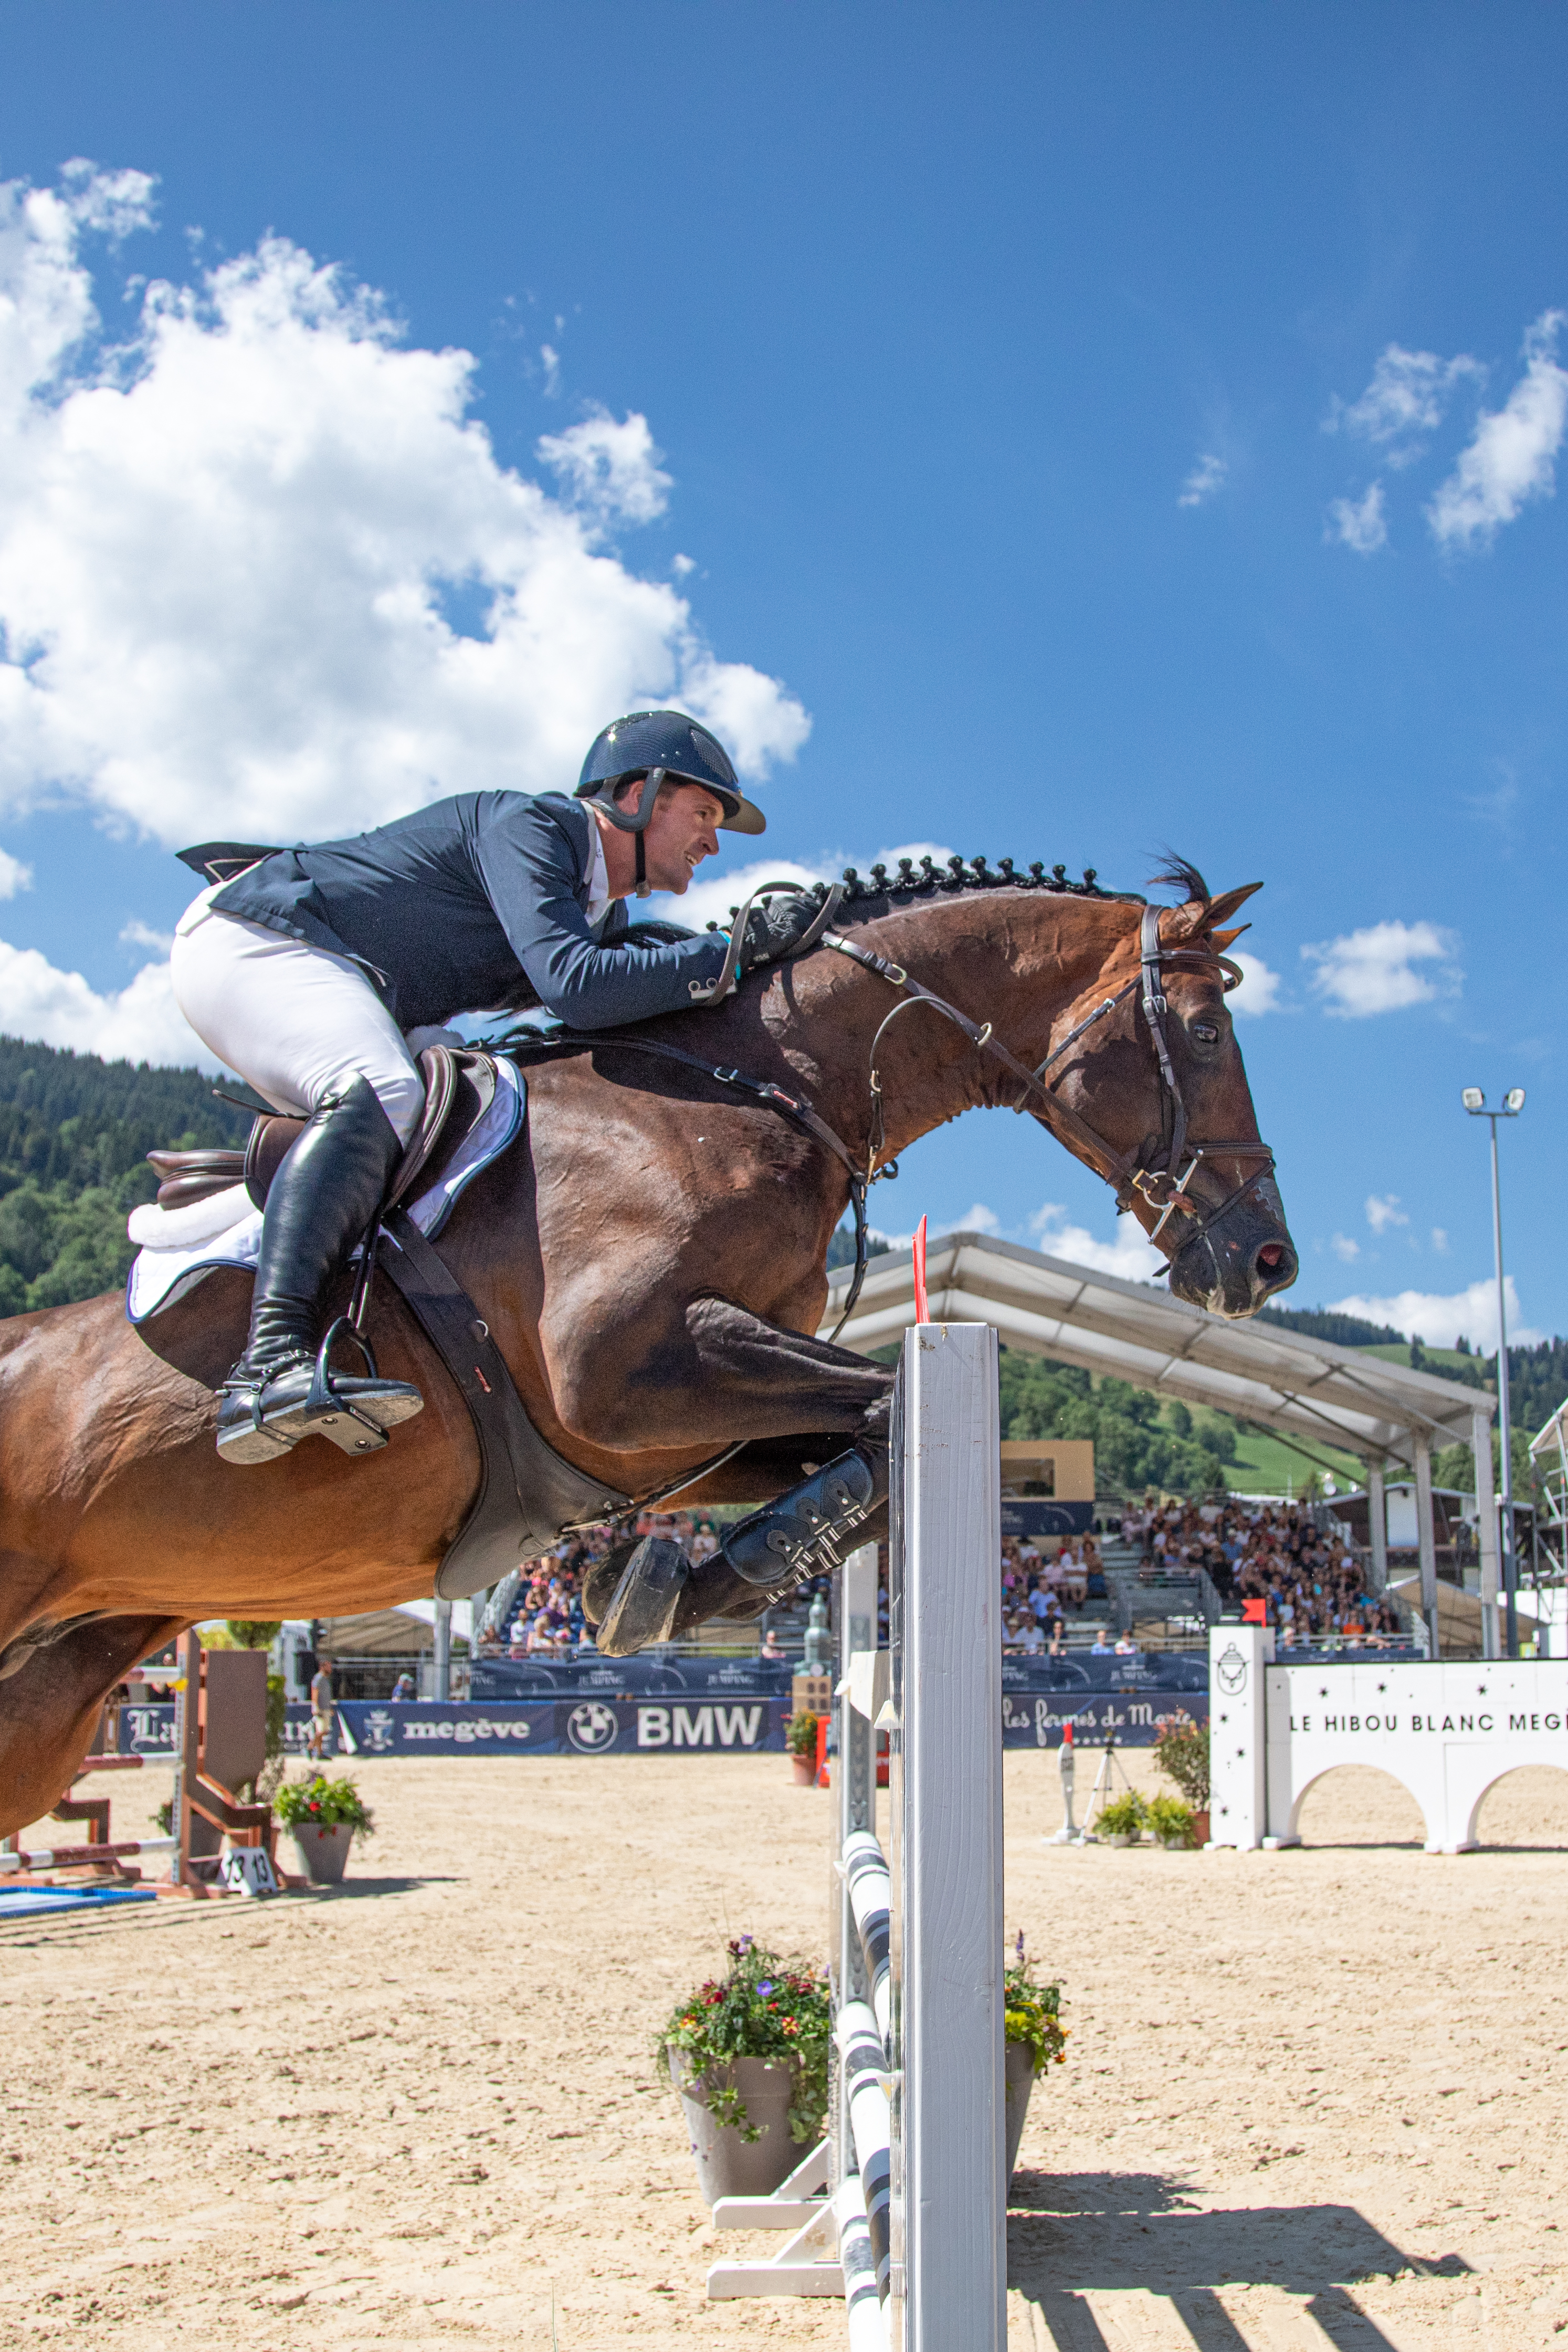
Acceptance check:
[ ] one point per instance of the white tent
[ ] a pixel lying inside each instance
(1310, 1390)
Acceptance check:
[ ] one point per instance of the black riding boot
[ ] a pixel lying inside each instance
(328, 1188)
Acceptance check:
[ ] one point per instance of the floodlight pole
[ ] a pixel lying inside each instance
(1511, 1109)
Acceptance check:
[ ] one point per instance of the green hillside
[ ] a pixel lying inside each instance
(74, 1135)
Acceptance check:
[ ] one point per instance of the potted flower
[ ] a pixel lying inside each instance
(1036, 2037)
(800, 1738)
(1181, 1751)
(1123, 1821)
(747, 2053)
(1171, 1822)
(324, 1817)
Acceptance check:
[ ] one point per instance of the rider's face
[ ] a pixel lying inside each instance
(682, 831)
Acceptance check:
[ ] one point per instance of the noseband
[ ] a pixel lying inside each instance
(1155, 1178)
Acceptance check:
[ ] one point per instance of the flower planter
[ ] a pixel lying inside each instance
(1118, 1837)
(1200, 1829)
(323, 1854)
(1019, 2063)
(803, 1769)
(728, 2166)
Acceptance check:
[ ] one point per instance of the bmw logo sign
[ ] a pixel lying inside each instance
(592, 1727)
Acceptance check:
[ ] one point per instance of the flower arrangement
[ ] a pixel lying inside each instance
(1181, 1751)
(1032, 2012)
(322, 1805)
(801, 1733)
(764, 2007)
(1126, 1816)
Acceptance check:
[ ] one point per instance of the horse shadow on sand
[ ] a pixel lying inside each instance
(1072, 2235)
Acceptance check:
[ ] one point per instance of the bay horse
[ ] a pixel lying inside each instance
(650, 1257)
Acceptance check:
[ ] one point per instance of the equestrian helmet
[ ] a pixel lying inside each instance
(687, 753)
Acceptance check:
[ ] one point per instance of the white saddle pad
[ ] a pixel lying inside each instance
(177, 1248)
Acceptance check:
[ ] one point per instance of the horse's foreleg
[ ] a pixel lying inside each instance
(764, 1373)
(48, 1706)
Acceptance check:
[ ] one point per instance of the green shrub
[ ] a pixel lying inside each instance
(1123, 1816)
(1169, 1817)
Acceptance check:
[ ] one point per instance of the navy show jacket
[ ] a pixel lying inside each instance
(476, 901)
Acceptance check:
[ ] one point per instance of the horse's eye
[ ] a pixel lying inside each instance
(1204, 1031)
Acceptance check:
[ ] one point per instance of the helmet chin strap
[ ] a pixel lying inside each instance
(636, 824)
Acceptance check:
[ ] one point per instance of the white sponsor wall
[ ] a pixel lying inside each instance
(1447, 1731)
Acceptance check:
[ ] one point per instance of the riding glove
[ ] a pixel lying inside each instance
(774, 929)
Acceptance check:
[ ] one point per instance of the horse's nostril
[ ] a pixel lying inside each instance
(1271, 1256)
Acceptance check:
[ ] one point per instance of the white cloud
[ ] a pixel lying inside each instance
(225, 546)
(682, 564)
(1511, 459)
(551, 361)
(1206, 477)
(1260, 989)
(1343, 1247)
(611, 468)
(1359, 523)
(13, 875)
(137, 934)
(1373, 971)
(1383, 1211)
(1439, 1321)
(1132, 1255)
(1440, 1241)
(142, 1022)
(1407, 397)
(976, 1220)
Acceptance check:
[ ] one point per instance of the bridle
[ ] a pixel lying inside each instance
(1154, 1175)
(1127, 1172)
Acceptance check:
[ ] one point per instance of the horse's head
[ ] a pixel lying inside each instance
(1159, 1078)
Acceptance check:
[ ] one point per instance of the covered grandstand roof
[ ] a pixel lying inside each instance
(1309, 1389)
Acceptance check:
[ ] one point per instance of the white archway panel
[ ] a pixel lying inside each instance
(1447, 1732)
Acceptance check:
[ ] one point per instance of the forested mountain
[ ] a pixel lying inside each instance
(74, 1133)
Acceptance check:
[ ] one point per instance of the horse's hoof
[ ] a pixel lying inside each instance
(646, 1599)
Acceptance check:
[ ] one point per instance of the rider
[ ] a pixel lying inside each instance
(318, 972)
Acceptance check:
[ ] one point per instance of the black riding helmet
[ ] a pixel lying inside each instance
(661, 744)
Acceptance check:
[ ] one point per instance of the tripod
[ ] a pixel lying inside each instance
(1111, 1769)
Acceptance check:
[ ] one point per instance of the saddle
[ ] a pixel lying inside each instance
(527, 1493)
(459, 1088)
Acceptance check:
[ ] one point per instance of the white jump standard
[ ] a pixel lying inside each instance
(911, 2228)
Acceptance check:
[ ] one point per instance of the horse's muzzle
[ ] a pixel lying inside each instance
(1242, 1259)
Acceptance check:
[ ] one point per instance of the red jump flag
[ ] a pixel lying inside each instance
(922, 1304)
(1254, 1612)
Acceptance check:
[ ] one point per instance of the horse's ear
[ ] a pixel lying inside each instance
(1219, 910)
(1223, 939)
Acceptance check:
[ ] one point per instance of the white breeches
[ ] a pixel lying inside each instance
(294, 1020)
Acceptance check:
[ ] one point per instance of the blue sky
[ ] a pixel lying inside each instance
(1053, 432)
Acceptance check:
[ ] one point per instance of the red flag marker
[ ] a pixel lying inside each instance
(922, 1304)
(1254, 1612)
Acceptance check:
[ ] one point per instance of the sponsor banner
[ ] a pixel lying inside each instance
(1136, 1719)
(1137, 1671)
(527, 1679)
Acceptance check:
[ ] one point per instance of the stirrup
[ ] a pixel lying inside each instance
(355, 1414)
